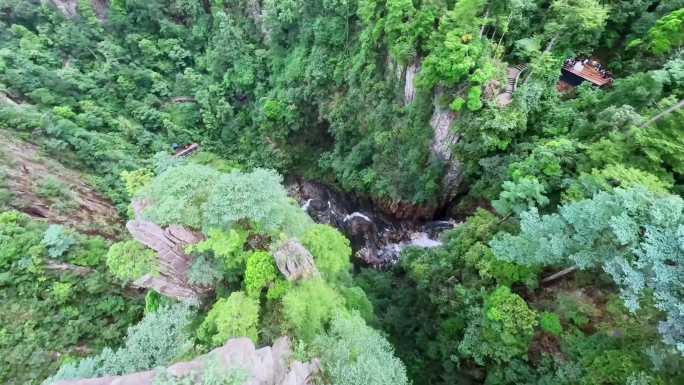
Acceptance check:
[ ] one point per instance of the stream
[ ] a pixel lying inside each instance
(376, 238)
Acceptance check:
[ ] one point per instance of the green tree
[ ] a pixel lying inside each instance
(57, 241)
(235, 316)
(309, 306)
(667, 34)
(353, 353)
(158, 339)
(631, 234)
(503, 330)
(519, 196)
(260, 273)
(575, 23)
(129, 260)
(331, 251)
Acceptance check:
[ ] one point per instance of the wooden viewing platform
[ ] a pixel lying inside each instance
(187, 150)
(590, 74)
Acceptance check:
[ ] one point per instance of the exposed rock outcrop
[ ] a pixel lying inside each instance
(101, 8)
(265, 366)
(174, 263)
(67, 7)
(46, 190)
(258, 15)
(444, 140)
(295, 261)
(410, 81)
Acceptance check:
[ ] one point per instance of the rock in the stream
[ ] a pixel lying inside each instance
(265, 366)
(295, 261)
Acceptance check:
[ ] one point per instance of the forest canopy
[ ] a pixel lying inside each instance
(565, 262)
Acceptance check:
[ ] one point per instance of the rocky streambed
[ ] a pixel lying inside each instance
(376, 237)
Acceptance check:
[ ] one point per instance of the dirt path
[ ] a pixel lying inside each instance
(46, 190)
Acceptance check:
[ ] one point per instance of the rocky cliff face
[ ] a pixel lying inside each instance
(270, 365)
(44, 189)
(445, 139)
(174, 263)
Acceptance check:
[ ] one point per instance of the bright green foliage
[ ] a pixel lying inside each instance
(136, 180)
(356, 300)
(550, 323)
(235, 316)
(260, 273)
(178, 195)
(474, 103)
(633, 235)
(519, 196)
(258, 197)
(504, 331)
(226, 247)
(204, 198)
(331, 251)
(576, 22)
(309, 306)
(667, 34)
(586, 185)
(457, 104)
(57, 241)
(353, 353)
(481, 257)
(457, 49)
(46, 312)
(129, 260)
(158, 339)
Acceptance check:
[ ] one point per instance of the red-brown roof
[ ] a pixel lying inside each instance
(589, 73)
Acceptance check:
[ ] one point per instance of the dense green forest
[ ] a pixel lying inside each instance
(117, 257)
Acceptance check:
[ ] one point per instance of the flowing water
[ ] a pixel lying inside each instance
(376, 238)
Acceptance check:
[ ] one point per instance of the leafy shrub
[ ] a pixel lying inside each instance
(481, 257)
(356, 300)
(53, 188)
(235, 316)
(261, 271)
(309, 306)
(57, 241)
(129, 260)
(157, 340)
(353, 353)
(519, 196)
(226, 248)
(503, 330)
(179, 194)
(204, 271)
(258, 197)
(135, 180)
(550, 323)
(331, 252)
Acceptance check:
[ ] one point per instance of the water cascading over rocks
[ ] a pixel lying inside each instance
(377, 239)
